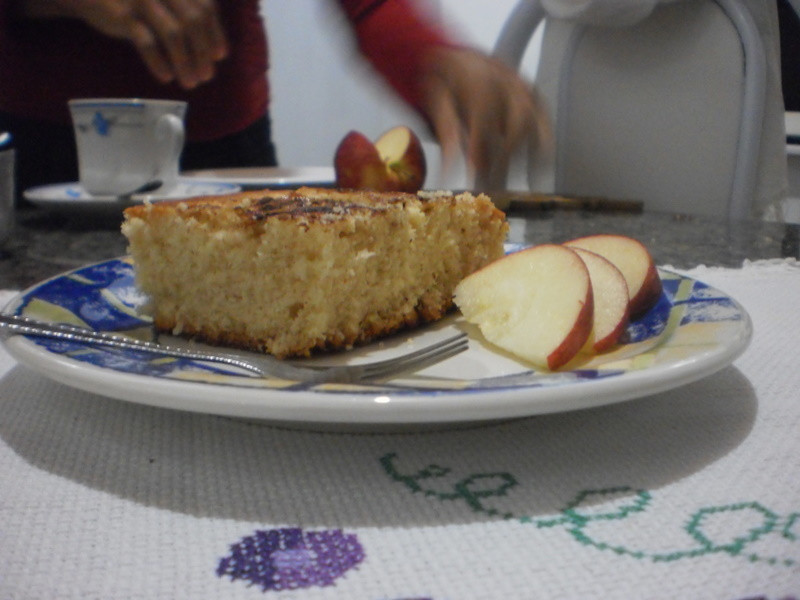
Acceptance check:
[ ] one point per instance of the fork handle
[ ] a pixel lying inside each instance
(61, 331)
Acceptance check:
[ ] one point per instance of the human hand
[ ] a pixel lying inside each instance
(179, 40)
(480, 105)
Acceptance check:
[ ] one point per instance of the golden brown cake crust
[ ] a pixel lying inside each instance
(304, 205)
(291, 272)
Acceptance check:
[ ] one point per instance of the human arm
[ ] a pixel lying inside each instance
(477, 103)
(471, 101)
(179, 40)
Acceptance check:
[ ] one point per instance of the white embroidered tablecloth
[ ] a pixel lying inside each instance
(690, 493)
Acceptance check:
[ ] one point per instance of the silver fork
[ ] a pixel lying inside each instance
(261, 365)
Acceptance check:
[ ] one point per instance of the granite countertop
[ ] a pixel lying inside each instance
(45, 244)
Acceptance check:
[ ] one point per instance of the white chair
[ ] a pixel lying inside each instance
(668, 111)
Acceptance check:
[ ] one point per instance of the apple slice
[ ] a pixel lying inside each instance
(536, 304)
(611, 301)
(395, 162)
(635, 263)
(401, 151)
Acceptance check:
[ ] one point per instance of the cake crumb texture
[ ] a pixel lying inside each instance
(290, 272)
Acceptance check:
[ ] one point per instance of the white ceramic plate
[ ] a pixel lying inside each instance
(694, 331)
(71, 196)
(274, 177)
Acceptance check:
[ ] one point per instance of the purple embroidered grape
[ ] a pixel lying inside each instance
(289, 558)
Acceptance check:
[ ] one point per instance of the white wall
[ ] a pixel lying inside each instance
(321, 89)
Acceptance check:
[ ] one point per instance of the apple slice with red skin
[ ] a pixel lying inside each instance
(611, 301)
(536, 304)
(395, 162)
(635, 263)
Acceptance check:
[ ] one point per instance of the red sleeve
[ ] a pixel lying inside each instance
(396, 38)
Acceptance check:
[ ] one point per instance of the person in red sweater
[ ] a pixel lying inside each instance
(213, 54)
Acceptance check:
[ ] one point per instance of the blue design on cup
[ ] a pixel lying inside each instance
(101, 125)
(290, 558)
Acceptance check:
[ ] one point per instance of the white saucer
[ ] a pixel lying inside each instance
(268, 176)
(71, 196)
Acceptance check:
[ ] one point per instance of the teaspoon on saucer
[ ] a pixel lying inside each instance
(150, 186)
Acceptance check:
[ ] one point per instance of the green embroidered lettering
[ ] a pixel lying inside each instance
(578, 515)
(472, 489)
(735, 546)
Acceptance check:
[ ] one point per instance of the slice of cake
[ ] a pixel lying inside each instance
(288, 272)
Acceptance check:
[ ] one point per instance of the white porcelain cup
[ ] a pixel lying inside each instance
(6, 187)
(125, 143)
